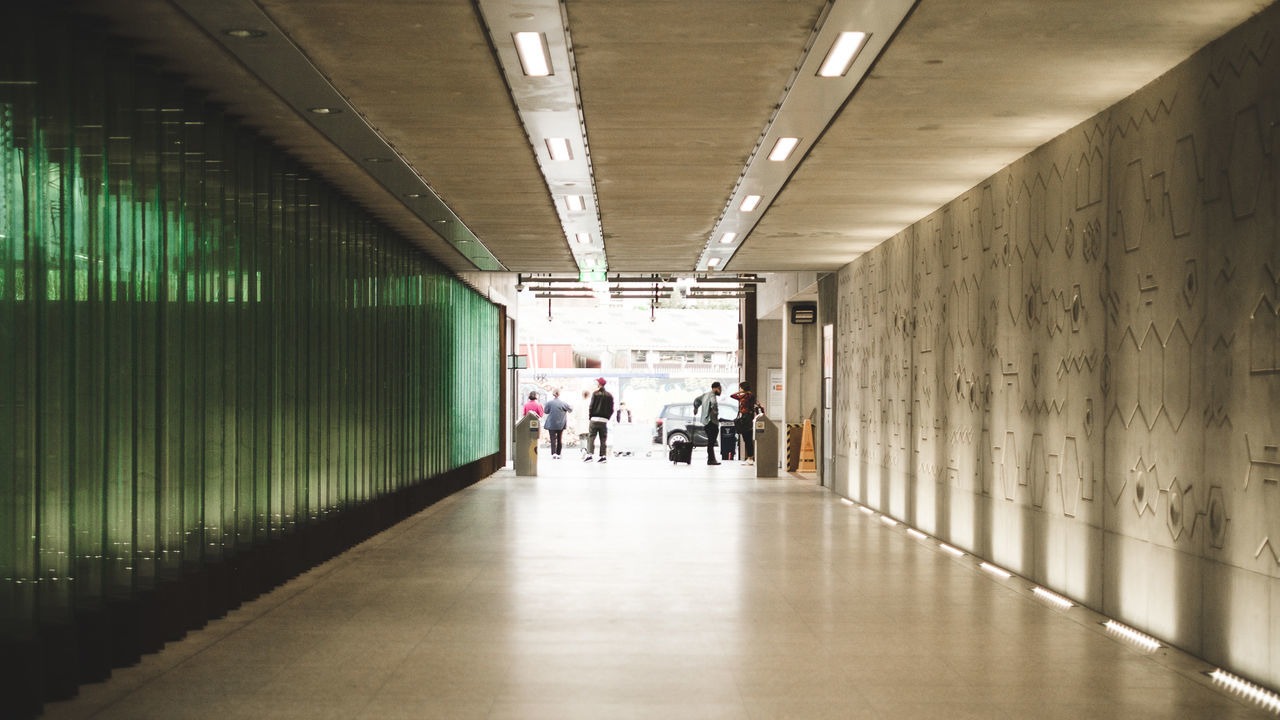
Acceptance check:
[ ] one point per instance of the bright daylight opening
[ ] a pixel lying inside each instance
(656, 358)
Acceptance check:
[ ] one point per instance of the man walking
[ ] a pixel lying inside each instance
(709, 419)
(601, 411)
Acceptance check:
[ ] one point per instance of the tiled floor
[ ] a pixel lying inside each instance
(635, 590)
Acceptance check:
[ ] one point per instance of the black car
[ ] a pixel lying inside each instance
(676, 423)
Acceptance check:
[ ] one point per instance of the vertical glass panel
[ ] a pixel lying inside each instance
(203, 345)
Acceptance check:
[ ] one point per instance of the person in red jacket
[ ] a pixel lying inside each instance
(745, 422)
(533, 406)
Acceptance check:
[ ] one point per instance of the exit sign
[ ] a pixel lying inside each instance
(593, 276)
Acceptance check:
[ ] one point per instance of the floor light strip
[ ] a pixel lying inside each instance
(1145, 642)
(888, 521)
(1052, 597)
(998, 572)
(866, 510)
(917, 534)
(953, 550)
(846, 501)
(1265, 698)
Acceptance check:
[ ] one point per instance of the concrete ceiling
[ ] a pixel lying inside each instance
(675, 94)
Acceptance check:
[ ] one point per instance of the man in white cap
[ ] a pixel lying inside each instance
(601, 411)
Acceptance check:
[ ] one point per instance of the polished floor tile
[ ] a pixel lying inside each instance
(641, 590)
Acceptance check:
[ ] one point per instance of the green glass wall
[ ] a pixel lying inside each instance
(203, 348)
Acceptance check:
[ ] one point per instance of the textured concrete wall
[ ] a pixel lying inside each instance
(1074, 368)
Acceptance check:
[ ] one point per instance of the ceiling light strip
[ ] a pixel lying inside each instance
(248, 34)
(848, 37)
(535, 51)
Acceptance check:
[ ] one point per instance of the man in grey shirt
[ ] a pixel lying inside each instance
(709, 418)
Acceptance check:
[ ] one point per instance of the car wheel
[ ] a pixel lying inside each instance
(677, 437)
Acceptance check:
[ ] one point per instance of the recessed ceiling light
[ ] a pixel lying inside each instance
(583, 238)
(713, 262)
(244, 33)
(846, 501)
(888, 521)
(324, 110)
(866, 510)
(842, 53)
(532, 49)
(413, 196)
(574, 202)
(916, 534)
(728, 237)
(559, 149)
(375, 159)
(783, 148)
(749, 203)
(952, 550)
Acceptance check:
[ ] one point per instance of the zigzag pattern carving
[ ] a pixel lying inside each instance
(1148, 115)
(1229, 69)
(1078, 363)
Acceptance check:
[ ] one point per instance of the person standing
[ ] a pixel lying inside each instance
(582, 420)
(709, 418)
(557, 410)
(533, 406)
(745, 422)
(600, 412)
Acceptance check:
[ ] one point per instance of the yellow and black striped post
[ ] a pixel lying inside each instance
(793, 446)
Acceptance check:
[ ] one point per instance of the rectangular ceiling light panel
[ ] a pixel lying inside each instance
(532, 49)
(749, 203)
(574, 203)
(842, 54)
(783, 148)
(559, 149)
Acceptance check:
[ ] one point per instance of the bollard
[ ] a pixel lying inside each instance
(793, 447)
(766, 447)
(526, 442)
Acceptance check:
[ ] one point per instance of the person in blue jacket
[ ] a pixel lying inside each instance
(556, 410)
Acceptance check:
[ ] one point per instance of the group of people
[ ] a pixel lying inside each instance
(600, 409)
(555, 419)
(707, 406)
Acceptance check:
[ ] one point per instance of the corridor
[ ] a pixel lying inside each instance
(635, 590)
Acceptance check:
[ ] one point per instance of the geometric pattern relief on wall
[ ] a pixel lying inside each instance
(1117, 289)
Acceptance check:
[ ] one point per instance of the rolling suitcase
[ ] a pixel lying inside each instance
(681, 452)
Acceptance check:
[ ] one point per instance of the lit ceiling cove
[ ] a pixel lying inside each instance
(844, 44)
